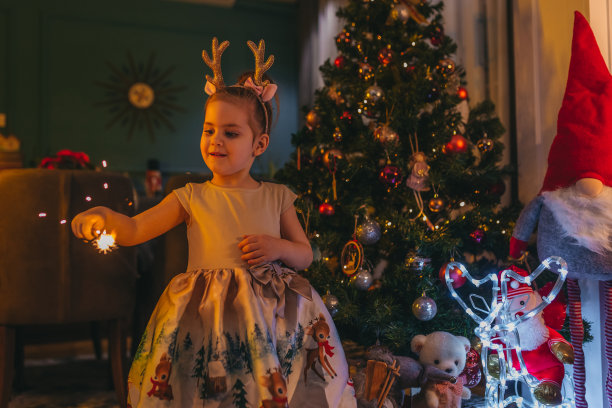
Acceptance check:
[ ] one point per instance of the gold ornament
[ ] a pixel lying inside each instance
(337, 135)
(312, 120)
(331, 157)
(436, 204)
(385, 135)
(485, 144)
(493, 365)
(352, 257)
(548, 393)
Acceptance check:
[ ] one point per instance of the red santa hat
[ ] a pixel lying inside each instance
(515, 288)
(583, 144)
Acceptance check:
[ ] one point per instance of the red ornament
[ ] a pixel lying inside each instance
(478, 235)
(347, 116)
(390, 175)
(462, 93)
(326, 209)
(457, 144)
(472, 376)
(498, 188)
(472, 358)
(340, 61)
(385, 56)
(436, 36)
(455, 274)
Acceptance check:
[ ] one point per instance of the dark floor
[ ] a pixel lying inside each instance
(67, 375)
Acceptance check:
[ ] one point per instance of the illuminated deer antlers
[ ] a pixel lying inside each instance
(215, 63)
(260, 66)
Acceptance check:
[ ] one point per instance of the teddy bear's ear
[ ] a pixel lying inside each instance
(465, 342)
(417, 343)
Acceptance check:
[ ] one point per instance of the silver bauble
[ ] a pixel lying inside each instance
(374, 94)
(362, 279)
(331, 303)
(424, 308)
(368, 232)
(400, 12)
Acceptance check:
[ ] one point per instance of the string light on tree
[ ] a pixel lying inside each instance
(340, 61)
(462, 93)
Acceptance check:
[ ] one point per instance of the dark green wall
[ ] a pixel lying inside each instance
(53, 52)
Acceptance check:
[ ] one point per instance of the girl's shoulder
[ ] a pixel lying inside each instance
(281, 193)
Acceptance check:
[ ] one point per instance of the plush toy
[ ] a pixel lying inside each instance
(543, 349)
(412, 374)
(446, 352)
(573, 211)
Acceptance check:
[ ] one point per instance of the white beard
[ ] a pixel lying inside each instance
(587, 220)
(532, 332)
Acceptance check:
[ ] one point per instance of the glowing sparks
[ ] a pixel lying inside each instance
(104, 163)
(105, 242)
(42, 214)
(105, 186)
(88, 198)
(62, 222)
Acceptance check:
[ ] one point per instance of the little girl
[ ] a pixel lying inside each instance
(240, 328)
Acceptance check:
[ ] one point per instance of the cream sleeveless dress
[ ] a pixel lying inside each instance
(226, 335)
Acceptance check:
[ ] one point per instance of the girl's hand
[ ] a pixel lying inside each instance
(89, 224)
(260, 248)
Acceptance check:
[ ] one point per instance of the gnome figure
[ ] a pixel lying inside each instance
(573, 211)
(543, 349)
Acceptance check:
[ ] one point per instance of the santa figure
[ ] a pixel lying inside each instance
(543, 349)
(573, 211)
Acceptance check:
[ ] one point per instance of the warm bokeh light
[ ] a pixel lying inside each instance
(105, 242)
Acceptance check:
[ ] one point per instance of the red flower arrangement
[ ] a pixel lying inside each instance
(66, 159)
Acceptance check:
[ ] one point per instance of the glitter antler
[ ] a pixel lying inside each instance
(215, 63)
(260, 66)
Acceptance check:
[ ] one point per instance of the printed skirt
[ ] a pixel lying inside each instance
(255, 338)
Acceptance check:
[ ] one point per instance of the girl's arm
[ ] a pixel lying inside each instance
(293, 248)
(130, 231)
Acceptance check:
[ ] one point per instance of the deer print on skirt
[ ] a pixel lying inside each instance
(161, 388)
(319, 330)
(275, 383)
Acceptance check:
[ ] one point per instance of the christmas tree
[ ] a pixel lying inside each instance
(395, 178)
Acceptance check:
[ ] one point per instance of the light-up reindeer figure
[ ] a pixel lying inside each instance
(502, 357)
(319, 330)
(275, 383)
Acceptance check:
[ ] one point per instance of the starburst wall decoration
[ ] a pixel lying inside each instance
(140, 96)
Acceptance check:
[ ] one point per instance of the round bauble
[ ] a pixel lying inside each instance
(312, 120)
(436, 36)
(455, 274)
(373, 94)
(436, 204)
(457, 144)
(462, 93)
(340, 61)
(331, 157)
(424, 308)
(472, 376)
(366, 71)
(401, 12)
(485, 144)
(478, 235)
(331, 303)
(368, 232)
(337, 135)
(362, 279)
(471, 359)
(385, 135)
(385, 56)
(390, 175)
(446, 66)
(326, 209)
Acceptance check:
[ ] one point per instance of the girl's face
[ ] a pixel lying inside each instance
(228, 145)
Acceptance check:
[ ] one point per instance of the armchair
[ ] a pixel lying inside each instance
(47, 276)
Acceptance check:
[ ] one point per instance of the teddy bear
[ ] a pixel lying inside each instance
(446, 352)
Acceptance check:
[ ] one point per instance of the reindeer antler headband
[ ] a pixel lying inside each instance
(264, 90)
